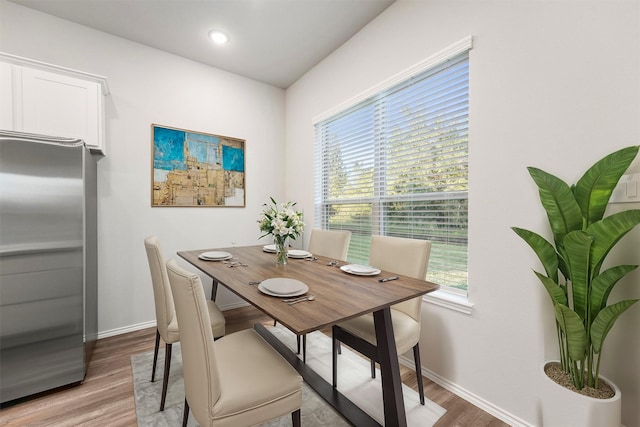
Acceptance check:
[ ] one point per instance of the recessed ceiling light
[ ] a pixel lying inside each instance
(218, 36)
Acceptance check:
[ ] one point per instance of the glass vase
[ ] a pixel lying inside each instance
(281, 249)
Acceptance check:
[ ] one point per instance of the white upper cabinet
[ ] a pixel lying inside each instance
(6, 96)
(51, 100)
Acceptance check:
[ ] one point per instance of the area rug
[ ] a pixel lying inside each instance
(354, 381)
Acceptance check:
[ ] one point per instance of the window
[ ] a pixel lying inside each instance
(396, 164)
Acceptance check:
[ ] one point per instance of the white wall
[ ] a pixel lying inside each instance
(554, 85)
(149, 86)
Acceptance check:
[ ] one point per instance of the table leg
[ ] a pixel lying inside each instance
(214, 290)
(394, 413)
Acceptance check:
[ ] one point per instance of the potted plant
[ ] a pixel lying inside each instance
(578, 287)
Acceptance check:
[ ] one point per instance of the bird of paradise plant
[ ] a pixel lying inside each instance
(582, 238)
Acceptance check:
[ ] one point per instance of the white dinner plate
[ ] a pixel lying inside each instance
(298, 253)
(283, 287)
(360, 270)
(215, 256)
(269, 248)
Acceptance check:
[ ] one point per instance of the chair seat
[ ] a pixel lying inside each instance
(260, 386)
(217, 319)
(405, 329)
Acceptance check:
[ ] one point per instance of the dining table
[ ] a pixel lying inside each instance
(338, 296)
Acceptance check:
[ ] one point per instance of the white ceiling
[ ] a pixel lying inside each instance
(272, 41)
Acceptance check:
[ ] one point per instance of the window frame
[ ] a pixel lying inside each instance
(449, 297)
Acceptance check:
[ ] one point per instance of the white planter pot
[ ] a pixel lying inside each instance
(561, 407)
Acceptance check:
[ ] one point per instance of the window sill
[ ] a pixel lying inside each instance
(459, 303)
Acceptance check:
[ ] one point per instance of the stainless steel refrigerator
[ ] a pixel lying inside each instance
(48, 263)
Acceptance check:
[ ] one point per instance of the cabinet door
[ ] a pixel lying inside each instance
(6, 99)
(60, 105)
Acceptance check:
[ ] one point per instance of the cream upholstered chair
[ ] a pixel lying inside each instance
(331, 244)
(408, 257)
(239, 380)
(167, 323)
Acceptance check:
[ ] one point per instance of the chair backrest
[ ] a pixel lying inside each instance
(165, 310)
(330, 243)
(201, 380)
(408, 257)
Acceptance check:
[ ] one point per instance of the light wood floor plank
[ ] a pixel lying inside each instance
(105, 398)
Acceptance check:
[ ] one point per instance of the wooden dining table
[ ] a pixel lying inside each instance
(339, 296)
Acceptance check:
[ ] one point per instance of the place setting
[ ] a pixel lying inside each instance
(291, 253)
(283, 287)
(365, 270)
(223, 256)
(269, 248)
(299, 254)
(215, 256)
(360, 270)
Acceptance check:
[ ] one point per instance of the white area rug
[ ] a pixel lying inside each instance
(354, 381)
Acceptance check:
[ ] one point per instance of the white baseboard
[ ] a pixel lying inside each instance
(125, 329)
(472, 398)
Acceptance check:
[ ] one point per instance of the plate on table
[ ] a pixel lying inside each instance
(298, 253)
(360, 270)
(282, 287)
(215, 256)
(269, 248)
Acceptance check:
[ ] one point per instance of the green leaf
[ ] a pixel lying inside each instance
(545, 251)
(602, 285)
(562, 265)
(557, 199)
(577, 245)
(593, 190)
(607, 232)
(605, 321)
(556, 292)
(572, 326)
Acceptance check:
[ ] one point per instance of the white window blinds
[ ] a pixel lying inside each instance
(396, 164)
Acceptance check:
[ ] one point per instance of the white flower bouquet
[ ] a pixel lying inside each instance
(282, 222)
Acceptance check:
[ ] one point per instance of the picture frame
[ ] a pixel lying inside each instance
(196, 169)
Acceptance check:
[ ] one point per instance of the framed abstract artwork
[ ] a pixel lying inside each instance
(196, 169)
